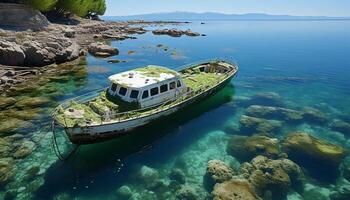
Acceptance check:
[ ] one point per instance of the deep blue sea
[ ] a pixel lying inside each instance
(304, 63)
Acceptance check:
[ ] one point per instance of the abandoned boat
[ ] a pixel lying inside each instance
(137, 97)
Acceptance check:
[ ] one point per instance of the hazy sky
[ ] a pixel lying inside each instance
(290, 7)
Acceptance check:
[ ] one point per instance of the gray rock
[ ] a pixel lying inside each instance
(69, 33)
(100, 49)
(177, 175)
(11, 54)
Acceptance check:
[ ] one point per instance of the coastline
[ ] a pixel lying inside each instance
(62, 44)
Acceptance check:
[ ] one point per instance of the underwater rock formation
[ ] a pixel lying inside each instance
(29, 102)
(217, 172)
(177, 175)
(6, 170)
(245, 148)
(272, 178)
(314, 148)
(102, 50)
(6, 102)
(24, 149)
(341, 126)
(277, 113)
(189, 192)
(234, 189)
(148, 176)
(124, 192)
(314, 115)
(318, 156)
(342, 193)
(253, 125)
(266, 99)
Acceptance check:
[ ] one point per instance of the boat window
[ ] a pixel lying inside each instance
(134, 94)
(163, 88)
(122, 91)
(178, 84)
(201, 69)
(172, 85)
(114, 87)
(145, 94)
(154, 91)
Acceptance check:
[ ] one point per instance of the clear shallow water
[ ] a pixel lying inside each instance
(306, 62)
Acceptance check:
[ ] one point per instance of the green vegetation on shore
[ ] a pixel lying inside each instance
(81, 8)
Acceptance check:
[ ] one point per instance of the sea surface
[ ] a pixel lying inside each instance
(302, 63)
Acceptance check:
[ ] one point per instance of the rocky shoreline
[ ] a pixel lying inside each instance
(25, 54)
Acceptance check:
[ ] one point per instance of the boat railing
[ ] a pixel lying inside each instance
(229, 61)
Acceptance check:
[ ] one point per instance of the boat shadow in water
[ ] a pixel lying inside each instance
(94, 158)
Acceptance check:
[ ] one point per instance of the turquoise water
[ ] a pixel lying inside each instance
(306, 63)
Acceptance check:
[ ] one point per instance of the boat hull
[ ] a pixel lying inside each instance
(98, 133)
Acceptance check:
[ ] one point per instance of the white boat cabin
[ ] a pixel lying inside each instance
(149, 86)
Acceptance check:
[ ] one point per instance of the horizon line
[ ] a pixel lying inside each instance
(224, 13)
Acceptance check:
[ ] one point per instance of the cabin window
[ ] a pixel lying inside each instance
(134, 94)
(154, 91)
(122, 91)
(172, 85)
(178, 84)
(114, 87)
(145, 94)
(163, 88)
(201, 69)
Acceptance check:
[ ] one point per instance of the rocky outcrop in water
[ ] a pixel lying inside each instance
(245, 148)
(272, 179)
(175, 32)
(38, 50)
(102, 50)
(314, 115)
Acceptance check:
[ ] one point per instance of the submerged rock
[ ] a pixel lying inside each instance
(314, 148)
(6, 102)
(124, 193)
(245, 148)
(148, 176)
(189, 192)
(277, 113)
(234, 189)
(6, 170)
(253, 125)
(103, 50)
(32, 102)
(24, 149)
(177, 175)
(341, 126)
(318, 156)
(272, 178)
(267, 99)
(5, 147)
(314, 115)
(342, 193)
(219, 171)
(13, 124)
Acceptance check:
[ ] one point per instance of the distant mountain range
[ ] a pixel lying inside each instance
(190, 16)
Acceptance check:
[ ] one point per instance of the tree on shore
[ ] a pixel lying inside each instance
(82, 8)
